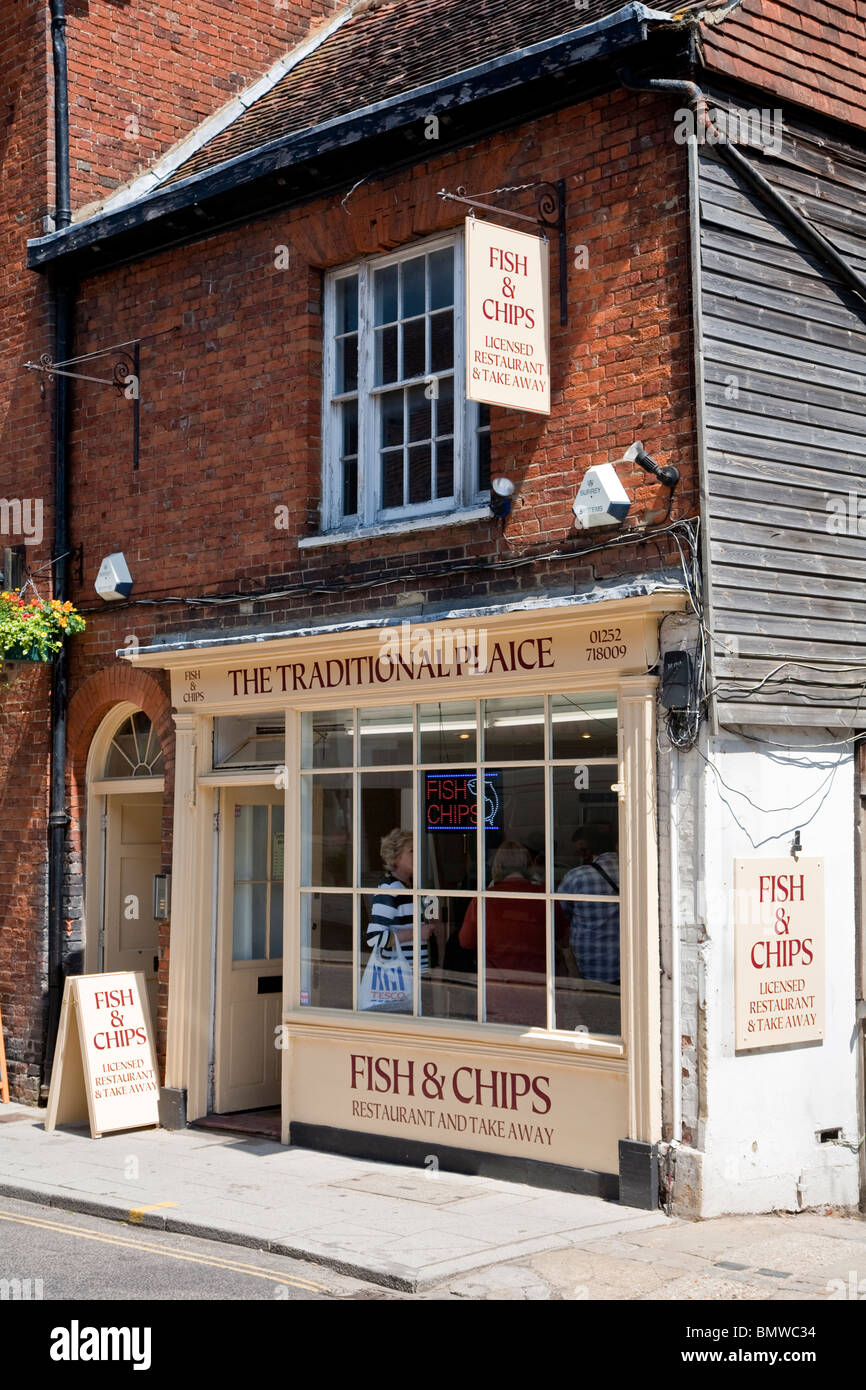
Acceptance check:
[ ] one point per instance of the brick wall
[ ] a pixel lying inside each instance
(231, 392)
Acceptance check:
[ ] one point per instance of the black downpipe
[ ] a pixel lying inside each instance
(721, 147)
(63, 294)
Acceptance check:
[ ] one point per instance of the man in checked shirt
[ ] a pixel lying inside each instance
(594, 927)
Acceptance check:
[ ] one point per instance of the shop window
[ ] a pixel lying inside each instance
(400, 440)
(240, 741)
(135, 750)
(459, 860)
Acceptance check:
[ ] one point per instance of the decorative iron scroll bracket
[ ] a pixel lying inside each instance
(125, 378)
(550, 201)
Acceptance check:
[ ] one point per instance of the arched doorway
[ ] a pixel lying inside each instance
(125, 784)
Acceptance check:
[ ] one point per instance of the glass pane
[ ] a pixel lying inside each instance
(483, 462)
(385, 290)
(584, 725)
(392, 419)
(392, 478)
(414, 349)
(516, 954)
(446, 732)
(326, 950)
(386, 355)
(419, 473)
(448, 820)
(349, 413)
(444, 468)
(347, 363)
(514, 824)
(420, 414)
(442, 341)
(386, 736)
(587, 981)
(250, 740)
(585, 823)
(450, 988)
(249, 927)
(350, 487)
(326, 738)
(386, 953)
(326, 844)
(386, 829)
(514, 726)
(275, 940)
(347, 304)
(251, 842)
(445, 406)
(412, 283)
(441, 271)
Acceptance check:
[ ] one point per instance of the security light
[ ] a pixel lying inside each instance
(668, 475)
(501, 493)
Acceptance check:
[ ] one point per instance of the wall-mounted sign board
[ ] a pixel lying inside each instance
(507, 317)
(779, 970)
(104, 1062)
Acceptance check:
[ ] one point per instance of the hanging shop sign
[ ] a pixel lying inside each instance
(104, 1062)
(780, 951)
(507, 317)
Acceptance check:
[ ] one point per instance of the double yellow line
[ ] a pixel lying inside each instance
(212, 1261)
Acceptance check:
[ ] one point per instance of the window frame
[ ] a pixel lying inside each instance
(547, 762)
(370, 513)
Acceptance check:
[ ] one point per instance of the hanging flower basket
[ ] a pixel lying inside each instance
(34, 629)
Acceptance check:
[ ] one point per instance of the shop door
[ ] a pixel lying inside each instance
(250, 964)
(133, 854)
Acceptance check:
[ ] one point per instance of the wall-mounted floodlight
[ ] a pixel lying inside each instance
(501, 493)
(114, 580)
(667, 474)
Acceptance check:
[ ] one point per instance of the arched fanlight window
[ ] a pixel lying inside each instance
(135, 749)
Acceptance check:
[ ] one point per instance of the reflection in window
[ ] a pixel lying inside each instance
(249, 741)
(259, 854)
(500, 897)
(135, 750)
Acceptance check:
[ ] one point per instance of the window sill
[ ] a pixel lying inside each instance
(397, 528)
(456, 1033)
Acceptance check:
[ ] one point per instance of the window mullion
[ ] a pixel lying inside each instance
(462, 407)
(367, 404)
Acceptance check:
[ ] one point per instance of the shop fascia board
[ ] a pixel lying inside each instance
(180, 214)
(322, 642)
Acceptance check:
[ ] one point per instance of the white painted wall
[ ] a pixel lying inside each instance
(754, 1147)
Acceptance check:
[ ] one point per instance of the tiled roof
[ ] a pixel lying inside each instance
(812, 52)
(390, 47)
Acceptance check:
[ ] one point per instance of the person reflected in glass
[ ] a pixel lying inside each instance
(594, 926)
(516, 940)
(392, 914)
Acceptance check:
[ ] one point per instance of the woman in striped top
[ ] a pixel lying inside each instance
(393, 913)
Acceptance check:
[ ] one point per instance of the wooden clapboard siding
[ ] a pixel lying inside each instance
(783, 353)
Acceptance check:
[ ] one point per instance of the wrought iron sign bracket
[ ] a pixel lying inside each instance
(550, 201)
(125, 379)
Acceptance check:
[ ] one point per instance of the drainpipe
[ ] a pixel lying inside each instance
(58, 817)
(709, 134)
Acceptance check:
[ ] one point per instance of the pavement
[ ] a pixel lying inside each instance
(432, 1234)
